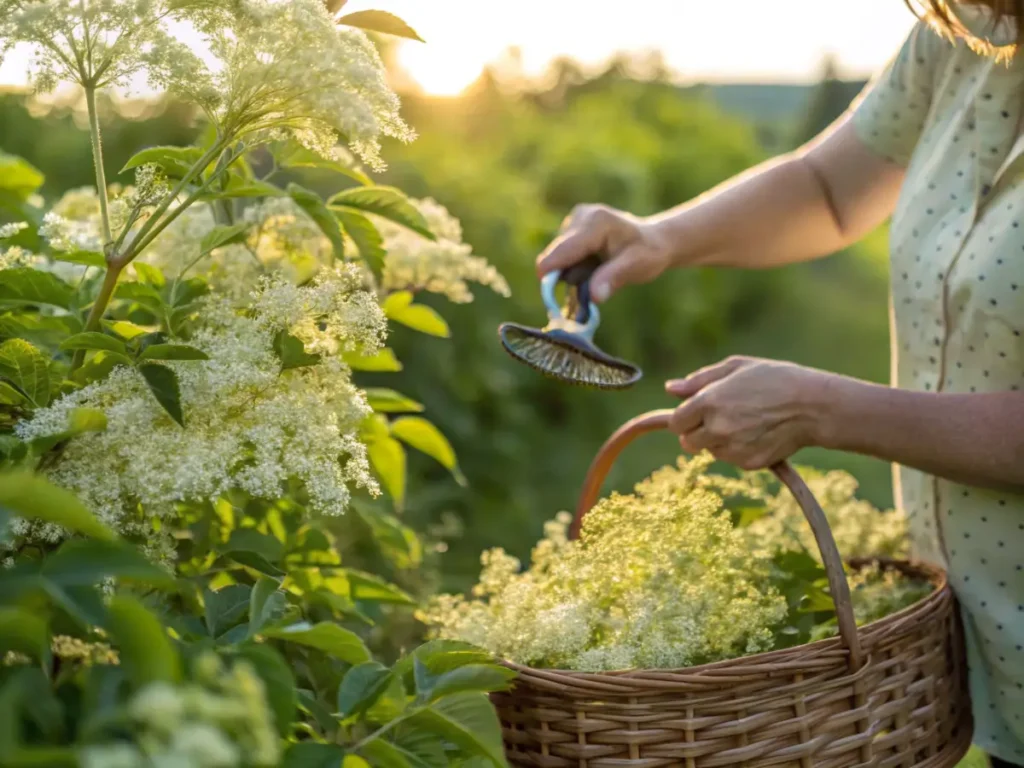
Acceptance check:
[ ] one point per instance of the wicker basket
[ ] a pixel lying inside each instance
(891, 693)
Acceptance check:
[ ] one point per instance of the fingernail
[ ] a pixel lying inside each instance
(599, 292)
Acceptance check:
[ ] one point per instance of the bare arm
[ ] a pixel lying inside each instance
(974, 439)
(802, 206)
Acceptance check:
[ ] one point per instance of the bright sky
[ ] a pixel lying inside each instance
(709, 40)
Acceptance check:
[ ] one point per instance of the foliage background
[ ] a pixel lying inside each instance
(510, 163)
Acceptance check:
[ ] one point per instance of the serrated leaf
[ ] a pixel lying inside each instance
(220, 236)
(237, 187)
(380, 21)
(388, 203)
(483, 678)
(382, 362)
(175, 162)
(399, 307)
(19, 177)
(361, 686)
(93, 340)
(317, 210)
(163, 383)
(369, 588)
(469, 721)
(86, 258)
(368, 241)
(34, 498)
(149, 274)
(145, 650)
(387, 457)
(24, 285)
(389, 401)
(27, 369)
(425, 437)
(291, 352)
(172, 352)
(84, 563)
(225, 607)
(266, 602)
(294, 155)
(41, 330)
(337, 642)
(127, 330)
(278, 681)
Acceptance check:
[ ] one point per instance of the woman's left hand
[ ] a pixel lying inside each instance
(749, 412)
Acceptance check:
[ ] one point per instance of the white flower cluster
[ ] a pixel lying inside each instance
(285, 68)
(662, 578)
(658, 579)
(10, 230)
(221, 720)
(248, 424)
(443, 266)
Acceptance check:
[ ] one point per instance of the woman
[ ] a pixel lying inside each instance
(935, 141)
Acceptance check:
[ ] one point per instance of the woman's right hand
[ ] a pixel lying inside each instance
(634, 250)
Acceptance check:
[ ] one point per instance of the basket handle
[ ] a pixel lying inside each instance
(839, 587)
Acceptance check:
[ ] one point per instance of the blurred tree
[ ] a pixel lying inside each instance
(831, 98)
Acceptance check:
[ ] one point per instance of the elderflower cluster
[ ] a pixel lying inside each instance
(664, 578)
(445, 265)
(219, 720)
(71, 649)
(287, 69)
(659, 578)
(859, 529)
(248, 424)
(10, 230)
(74, 222)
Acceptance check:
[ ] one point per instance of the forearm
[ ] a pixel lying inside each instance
(974, 439)
(802, 206)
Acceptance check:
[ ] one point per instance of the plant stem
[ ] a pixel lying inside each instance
(99, 306)
(97, 160)
(380, 732)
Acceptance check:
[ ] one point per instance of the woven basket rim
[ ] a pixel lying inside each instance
(831, 646)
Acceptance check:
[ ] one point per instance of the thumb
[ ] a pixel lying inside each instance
(626, 268)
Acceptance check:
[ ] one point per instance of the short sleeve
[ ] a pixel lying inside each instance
(889, 114)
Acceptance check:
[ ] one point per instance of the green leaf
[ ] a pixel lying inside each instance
(41, 330)
(225, 607)
(86, 420)
(10, 396)
(314, 205)
(354, 761)
(266, 603)
(175, 162)
(389, 401)
(388, 203)
(172, 352)
(163, 383)
(25, 632)
(294, 155)
(93, 340)
(291, 352)
(278, 681)
(142, 294)
(398, 543)
(424, 436)
(81, 562)
(238, 187)
(87, 258)
(361, 687)
(380, 21)
(369, 588)
(34, 498)
(145, 649)
(335, 641)
(149, 274)
(127, 330)
(364, 234)
(310, 754)
(467, 720)
(26, 368)
(220, 236)
(323, 716)
(387, 457)
(482, 678)
(382, 362)
(18, 177)
(24, 285)
(419, 317)
(100, 366)
(251, 540)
